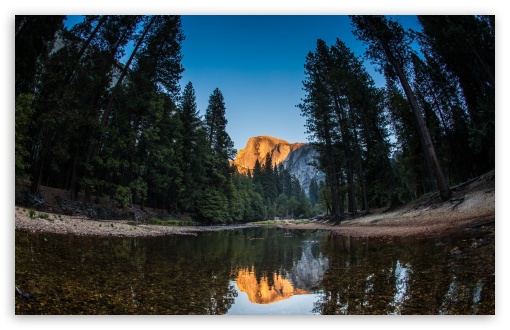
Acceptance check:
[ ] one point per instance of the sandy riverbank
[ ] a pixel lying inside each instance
(82, 226)
(472, 204)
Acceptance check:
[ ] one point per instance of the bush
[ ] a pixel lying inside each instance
(43, 216)
(171, 222)
(123, 196)
(155, 221)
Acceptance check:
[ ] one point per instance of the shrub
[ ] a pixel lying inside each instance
(123, 196)
(155, 221)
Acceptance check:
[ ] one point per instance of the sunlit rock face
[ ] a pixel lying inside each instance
(296, 157)
(260, 292)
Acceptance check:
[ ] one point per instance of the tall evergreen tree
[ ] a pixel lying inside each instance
(317, 108)
(34, 41)
(154, 84)
(313, 193)
(220, 143)
(194, 156)
(222, 151)
(216, 126)
(269, 180)
(465, 46)
(389, 45)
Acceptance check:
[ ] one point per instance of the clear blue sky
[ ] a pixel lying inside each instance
(257, 62)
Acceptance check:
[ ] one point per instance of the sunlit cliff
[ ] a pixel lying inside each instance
(296, 157)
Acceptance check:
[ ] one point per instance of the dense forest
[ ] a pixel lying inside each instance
(438, 107)
(87, 122)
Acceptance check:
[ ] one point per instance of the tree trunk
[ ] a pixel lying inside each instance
(423, 132)
(328, 208)
(39, 164)
(72, 184)
(124, 72)
(361, 174)
(85, 46)
(351, 196)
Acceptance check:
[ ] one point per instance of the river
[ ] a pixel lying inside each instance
(259, 270)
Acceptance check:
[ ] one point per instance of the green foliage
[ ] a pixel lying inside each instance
(139, 187)
(31, 213)
(213, 206)
(24, 114)
(236, 204)
(122, 196)
(313, 192)
(170, 222)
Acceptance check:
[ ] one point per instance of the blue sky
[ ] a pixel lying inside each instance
(257, 62)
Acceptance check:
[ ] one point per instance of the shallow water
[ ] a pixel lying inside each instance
(256, 271)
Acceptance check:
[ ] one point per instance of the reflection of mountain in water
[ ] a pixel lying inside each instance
(306, 273)
(261, 292)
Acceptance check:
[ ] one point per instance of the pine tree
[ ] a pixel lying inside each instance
(317, 108)
(193, 149)
(269, 179)
(221, 148)
(34, 39)
(389, 45)
(313, 193)
(216, 125)
(464, 45)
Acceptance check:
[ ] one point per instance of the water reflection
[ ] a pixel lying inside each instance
(305, 275)
(402, 273)
(261, 292)
(446, 275)
(256, 271)
(307, 272)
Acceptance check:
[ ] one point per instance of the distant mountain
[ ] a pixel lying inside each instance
(296, 157)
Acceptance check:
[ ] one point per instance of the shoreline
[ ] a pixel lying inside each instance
(378, 224)
(83, 226)
(472, 204)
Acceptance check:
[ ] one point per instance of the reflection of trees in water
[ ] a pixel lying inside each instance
(191, 275)
(452, 275)
(87, 275)
(164, 275)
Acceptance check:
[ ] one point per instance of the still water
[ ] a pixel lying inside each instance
(256, 271)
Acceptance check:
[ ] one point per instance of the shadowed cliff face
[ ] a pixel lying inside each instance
(296, 157)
